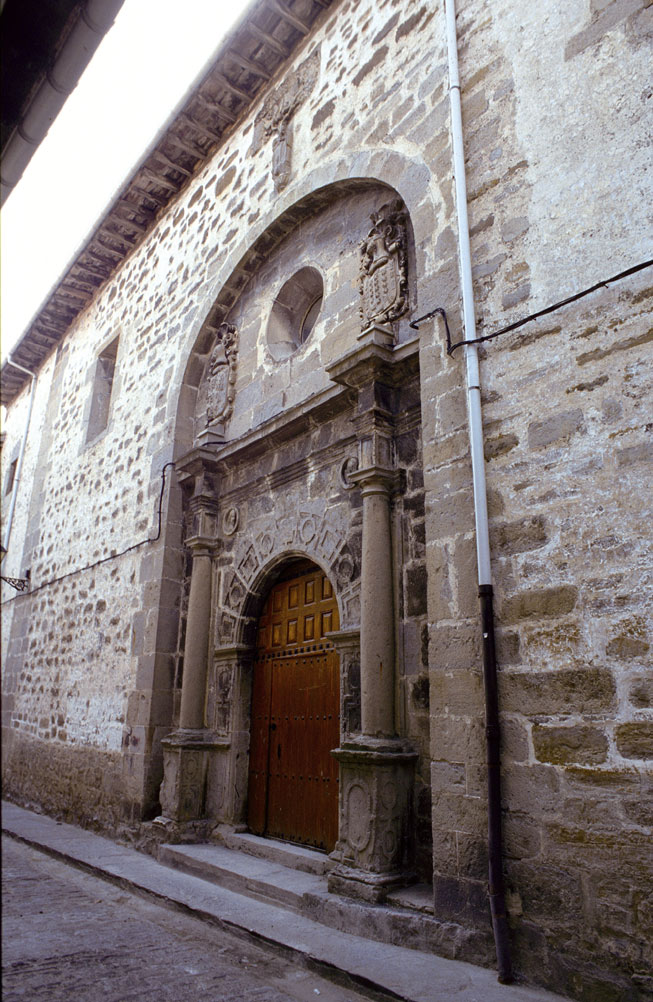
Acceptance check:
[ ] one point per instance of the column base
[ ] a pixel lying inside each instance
(185, 765)
(165, 829)
(374, 851)
(364, 886)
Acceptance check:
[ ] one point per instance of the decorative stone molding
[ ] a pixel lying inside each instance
(221, 374)
(308, 531)
(230, 521)
(348, 466)
(383, 273)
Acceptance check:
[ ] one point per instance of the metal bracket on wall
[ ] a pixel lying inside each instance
(438, 311)
(20, 584)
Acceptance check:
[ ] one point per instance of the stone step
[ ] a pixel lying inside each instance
(297, 857)
(244, 873)
(255, 870)
(375, 968)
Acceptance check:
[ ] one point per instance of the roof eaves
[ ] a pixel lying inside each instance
(248, 59)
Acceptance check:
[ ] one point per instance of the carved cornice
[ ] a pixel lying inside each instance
(292, 423)
(373, 361)
(195, 463)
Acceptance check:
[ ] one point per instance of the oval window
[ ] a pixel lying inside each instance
(295, 312)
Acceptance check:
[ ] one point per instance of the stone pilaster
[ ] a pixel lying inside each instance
(348, 646)
(374, 849)
(228, 705)
(186, 751)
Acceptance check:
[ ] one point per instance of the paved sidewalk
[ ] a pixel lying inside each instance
(402, 974)
(70, 935)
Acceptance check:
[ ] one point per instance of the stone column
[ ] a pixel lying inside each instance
(374, 848)
(196, 648)
(377, 606)
(376, 767)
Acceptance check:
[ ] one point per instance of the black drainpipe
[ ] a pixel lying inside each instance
(493, 743)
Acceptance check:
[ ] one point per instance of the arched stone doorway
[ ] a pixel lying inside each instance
(295, 719)
(309, 454)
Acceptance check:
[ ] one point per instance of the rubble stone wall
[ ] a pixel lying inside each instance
(568, 455)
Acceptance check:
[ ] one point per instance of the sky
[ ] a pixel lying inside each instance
(139, 74)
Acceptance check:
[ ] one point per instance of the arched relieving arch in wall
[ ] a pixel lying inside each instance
(408, 178)
(253, 291)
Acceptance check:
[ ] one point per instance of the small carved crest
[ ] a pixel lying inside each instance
(274, 120)
(222, 375)
(281, 154)
(383, 269)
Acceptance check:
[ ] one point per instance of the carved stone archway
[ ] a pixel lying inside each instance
(235, 554)
(282, 489)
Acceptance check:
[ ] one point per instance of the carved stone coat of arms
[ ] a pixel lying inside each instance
(383, 269)
(222, 375)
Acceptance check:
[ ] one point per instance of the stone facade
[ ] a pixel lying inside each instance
(128, 663)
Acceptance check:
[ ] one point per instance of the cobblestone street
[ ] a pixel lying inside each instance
(69, 935)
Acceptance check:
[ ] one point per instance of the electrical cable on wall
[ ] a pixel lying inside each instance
(22, 584)
(533, 316)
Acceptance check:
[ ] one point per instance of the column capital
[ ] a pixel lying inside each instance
(376, 480)
(202, 546)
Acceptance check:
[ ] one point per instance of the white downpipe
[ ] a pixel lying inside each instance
(471, 352)
(21, 454)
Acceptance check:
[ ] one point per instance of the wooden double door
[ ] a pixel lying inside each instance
(295, 720)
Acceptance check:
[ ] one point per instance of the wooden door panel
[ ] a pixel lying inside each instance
(295, 715)
(259, 747)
